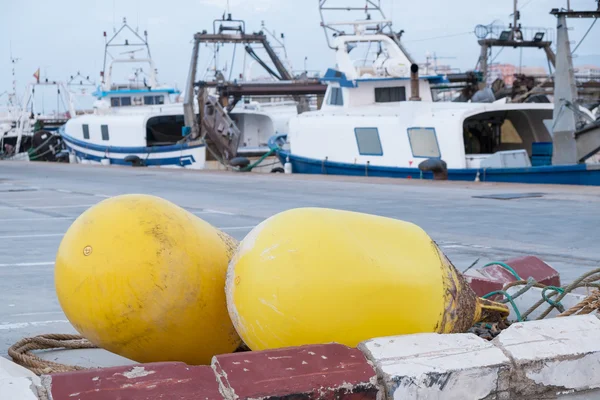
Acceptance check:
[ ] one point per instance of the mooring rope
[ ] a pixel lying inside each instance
(588, 305)
(21, 352)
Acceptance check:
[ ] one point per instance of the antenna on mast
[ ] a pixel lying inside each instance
(137, 40)
(12, 97)
(374, 25)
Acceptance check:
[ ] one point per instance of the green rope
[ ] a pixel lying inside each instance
(551, 295)
(506, 267)
(553, 303)
(509, 299)
(249, 167)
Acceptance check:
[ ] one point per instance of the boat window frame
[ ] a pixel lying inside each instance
(159, 100)
(401, 90)
(105, 133)
(85, 128)
(358, 142)
(146, 103)
(339, 98)
(126, 98)
(115, 102)
(432, 129)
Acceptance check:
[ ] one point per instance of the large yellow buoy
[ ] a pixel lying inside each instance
(312, 275)
(144, 278)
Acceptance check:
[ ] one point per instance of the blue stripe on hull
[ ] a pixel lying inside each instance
(126, 150)
(182, 161)
(568, 174)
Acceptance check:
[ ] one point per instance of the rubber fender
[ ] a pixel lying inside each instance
(143, 278)
(134, 160)
(241, 162)
(314, 275)
(437, 166)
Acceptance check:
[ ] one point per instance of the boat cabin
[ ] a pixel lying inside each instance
(377, 113)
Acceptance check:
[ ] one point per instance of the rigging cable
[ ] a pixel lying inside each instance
(440, 37)
(525, 5)
(252, 54)
(497, 54)
(584, 36)
(232, 61)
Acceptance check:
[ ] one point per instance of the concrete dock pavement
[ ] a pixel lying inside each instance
(39, 201)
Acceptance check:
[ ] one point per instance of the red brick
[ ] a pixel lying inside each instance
(166, 381)
(532, 266)
(494, 277)
(330, 371)
(482, 285)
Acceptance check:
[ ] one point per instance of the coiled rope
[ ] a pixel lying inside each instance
(21, 352)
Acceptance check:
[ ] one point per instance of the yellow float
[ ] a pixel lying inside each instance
(144, 278)
(314, 275)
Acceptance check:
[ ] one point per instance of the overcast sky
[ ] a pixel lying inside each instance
(65, 36)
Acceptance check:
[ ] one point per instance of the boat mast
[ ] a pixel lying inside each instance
(514, 36)
(569, 146)
(111, 43)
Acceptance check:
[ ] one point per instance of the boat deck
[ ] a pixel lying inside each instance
(39, 201)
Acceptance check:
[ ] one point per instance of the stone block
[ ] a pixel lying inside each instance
(433, 366)
(554, 356)
(17, 382)
(9, 369)
(20, 388)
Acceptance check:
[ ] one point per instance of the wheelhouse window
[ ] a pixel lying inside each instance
(390, 94)
(115, 102)
(125, 101)
(104, 130)
(151, 100)
(336, 97)
(368, 142)
(86, 131)
(424, 143)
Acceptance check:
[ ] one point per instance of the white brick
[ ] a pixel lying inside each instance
(17, 388)
(556, 355)
(9, 369)
(433, 366)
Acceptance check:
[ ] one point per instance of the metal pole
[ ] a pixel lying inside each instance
(565, 94)
(188, 104)
(483, 61)
(515, 11)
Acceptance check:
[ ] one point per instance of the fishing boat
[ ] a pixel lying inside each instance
(379, 119)
(27, 131)
(141, 122)
(135, 122)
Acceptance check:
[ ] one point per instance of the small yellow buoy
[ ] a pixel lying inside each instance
(312, 275)
(143, 278)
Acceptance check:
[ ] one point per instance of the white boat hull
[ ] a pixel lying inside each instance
(185, 155)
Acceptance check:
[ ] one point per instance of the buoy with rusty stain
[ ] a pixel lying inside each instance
(143, 278)
(313, 275)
